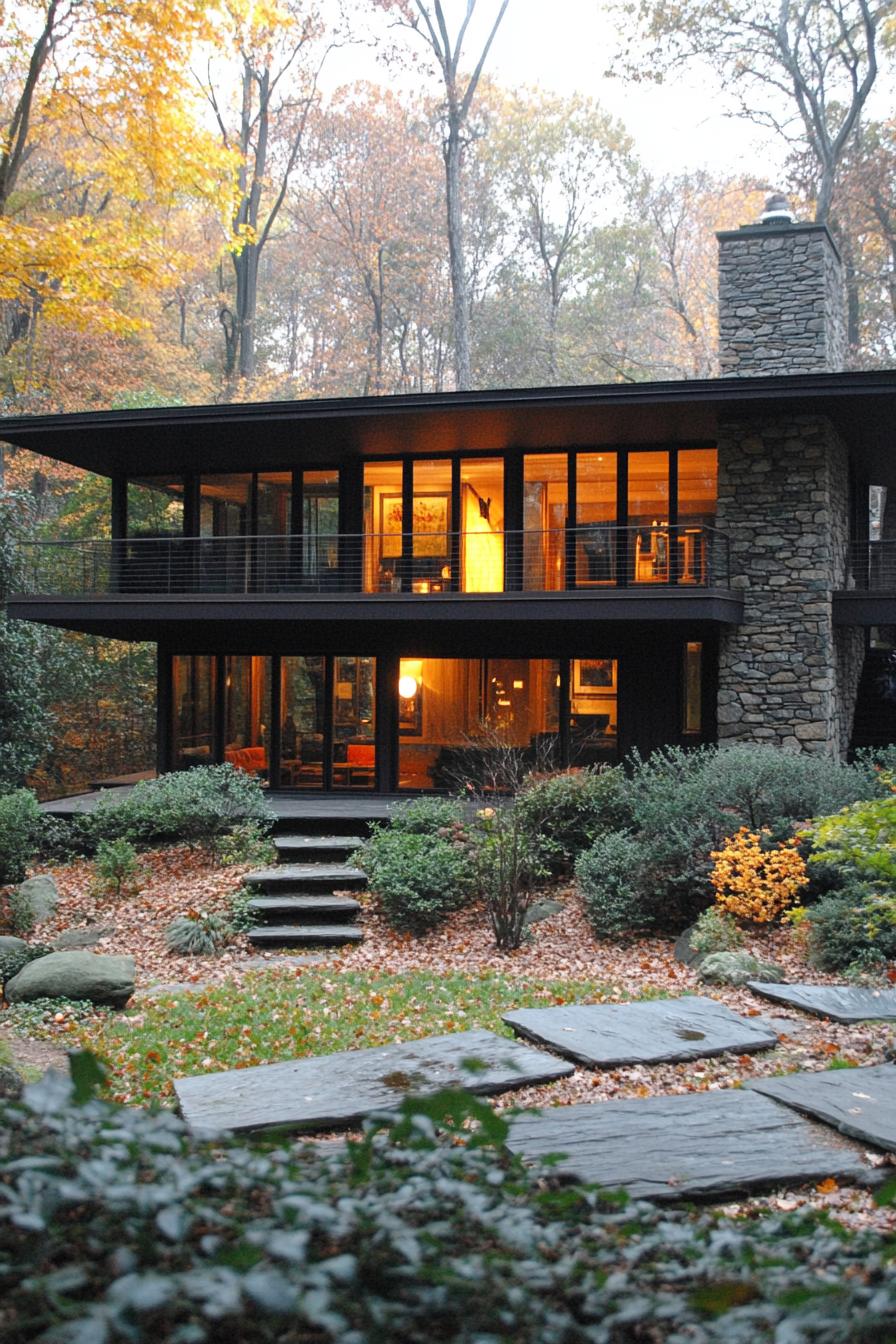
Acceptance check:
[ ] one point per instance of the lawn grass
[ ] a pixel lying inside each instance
(280, 1014)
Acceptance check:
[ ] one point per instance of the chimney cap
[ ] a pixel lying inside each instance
(777, 210)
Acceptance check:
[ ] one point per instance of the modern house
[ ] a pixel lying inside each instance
(344, 592)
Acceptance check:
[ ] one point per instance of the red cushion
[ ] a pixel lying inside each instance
(361, 753)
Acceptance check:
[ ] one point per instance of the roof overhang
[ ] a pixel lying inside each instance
(171, 440)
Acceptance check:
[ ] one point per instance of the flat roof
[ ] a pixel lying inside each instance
(234, 436)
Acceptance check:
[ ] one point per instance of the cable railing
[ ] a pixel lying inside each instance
(588, 558)
(872, 565)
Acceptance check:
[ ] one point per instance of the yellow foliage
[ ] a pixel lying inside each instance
(756, 884)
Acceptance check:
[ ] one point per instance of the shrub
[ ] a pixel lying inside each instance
(61, 839)
(715, 931)
(611, 881)
(242, 916)
(854, 925)
(20, 822)
(753, 883)
(508, 866)
(120, 1225)
(564, 813)
(427, 816)
(196, 806)
(197, 934)
(248, 842)
(419, 878)
(115, 866)
(859, 840)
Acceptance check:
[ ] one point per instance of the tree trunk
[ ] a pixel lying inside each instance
(452, 151)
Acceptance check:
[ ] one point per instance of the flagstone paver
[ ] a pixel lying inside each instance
(340, 1090)
(858, 1102)
(841, 1003)
(608, 1035)
(703, 1145)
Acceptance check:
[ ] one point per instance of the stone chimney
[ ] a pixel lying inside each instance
(781, 298)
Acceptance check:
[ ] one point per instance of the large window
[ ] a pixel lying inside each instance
(155, 506)
(545, 505)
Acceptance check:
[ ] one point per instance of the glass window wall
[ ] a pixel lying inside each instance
(247, 713)
(545, 506)
(353, 762)
(193, 711)
(595, 540)
(697, 495)
(648, 517)
(302, 722)
(593, 710)
(482, 525)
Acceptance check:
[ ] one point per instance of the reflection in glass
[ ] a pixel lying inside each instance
(545, 499)
(693, 708)
(382, 527)
(193, 711)
(302, 722)
(595, 518)
(320, 528)
(155, 507)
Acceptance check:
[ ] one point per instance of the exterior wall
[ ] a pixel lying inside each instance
(781, 307)
(783, 500)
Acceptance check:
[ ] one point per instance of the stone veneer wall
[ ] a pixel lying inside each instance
(786, 677)
(781, 307)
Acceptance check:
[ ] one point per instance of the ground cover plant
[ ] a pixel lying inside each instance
(281, 1015)
(424, 1229)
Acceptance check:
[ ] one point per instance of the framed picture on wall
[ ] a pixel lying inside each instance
(593, 676)
(430, 525)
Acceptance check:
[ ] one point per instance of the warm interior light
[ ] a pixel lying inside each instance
(518, 685)
(407, 687)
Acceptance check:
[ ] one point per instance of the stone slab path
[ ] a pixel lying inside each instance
(707, 1145)
(858, 1102)
(338, 1091)
(655, 1032)
(841, 1003)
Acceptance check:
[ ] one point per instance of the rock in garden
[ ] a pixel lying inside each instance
(10, 944)
(72, 939)
(736, 968)
(38, 896)
(684, 952)
(539, 910)
(74, 975)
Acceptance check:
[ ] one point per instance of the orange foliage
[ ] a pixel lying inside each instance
(756, 884)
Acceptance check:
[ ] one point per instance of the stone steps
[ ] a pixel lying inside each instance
(292, 848)
(305, 935)
(306, 878)
(297, 904)
(317, 907)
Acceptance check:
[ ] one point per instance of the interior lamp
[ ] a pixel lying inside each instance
(407, 687)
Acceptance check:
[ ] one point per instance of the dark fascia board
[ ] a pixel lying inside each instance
(149, 439)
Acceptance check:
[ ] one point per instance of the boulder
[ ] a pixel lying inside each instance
(39, 896)
(684, 952)
(72, 939)
(10, 944)
(74, 975)
(736, 968)
(539, 910)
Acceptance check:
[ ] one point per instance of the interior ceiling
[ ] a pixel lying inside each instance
(275, 435)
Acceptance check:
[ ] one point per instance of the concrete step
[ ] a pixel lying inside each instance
(297, 907)
(319, 848)
(306, 877)
(304, 935)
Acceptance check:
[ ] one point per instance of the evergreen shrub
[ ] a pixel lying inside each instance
(563, 813)
(613, 884)
(197, 807)
(420, 878)
(20, 823)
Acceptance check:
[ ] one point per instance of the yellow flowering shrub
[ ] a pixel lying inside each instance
(756, 884)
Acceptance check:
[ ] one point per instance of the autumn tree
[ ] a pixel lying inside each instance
(804, 64)
(96, 130)
(427, 19)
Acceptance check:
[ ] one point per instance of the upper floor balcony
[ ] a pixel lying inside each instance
(594, 572)
(869, 597)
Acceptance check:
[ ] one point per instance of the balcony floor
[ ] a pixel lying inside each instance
(378, 621)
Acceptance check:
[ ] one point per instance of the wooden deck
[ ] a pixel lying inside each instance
(295, 809)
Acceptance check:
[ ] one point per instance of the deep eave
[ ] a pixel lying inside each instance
(239, 436)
